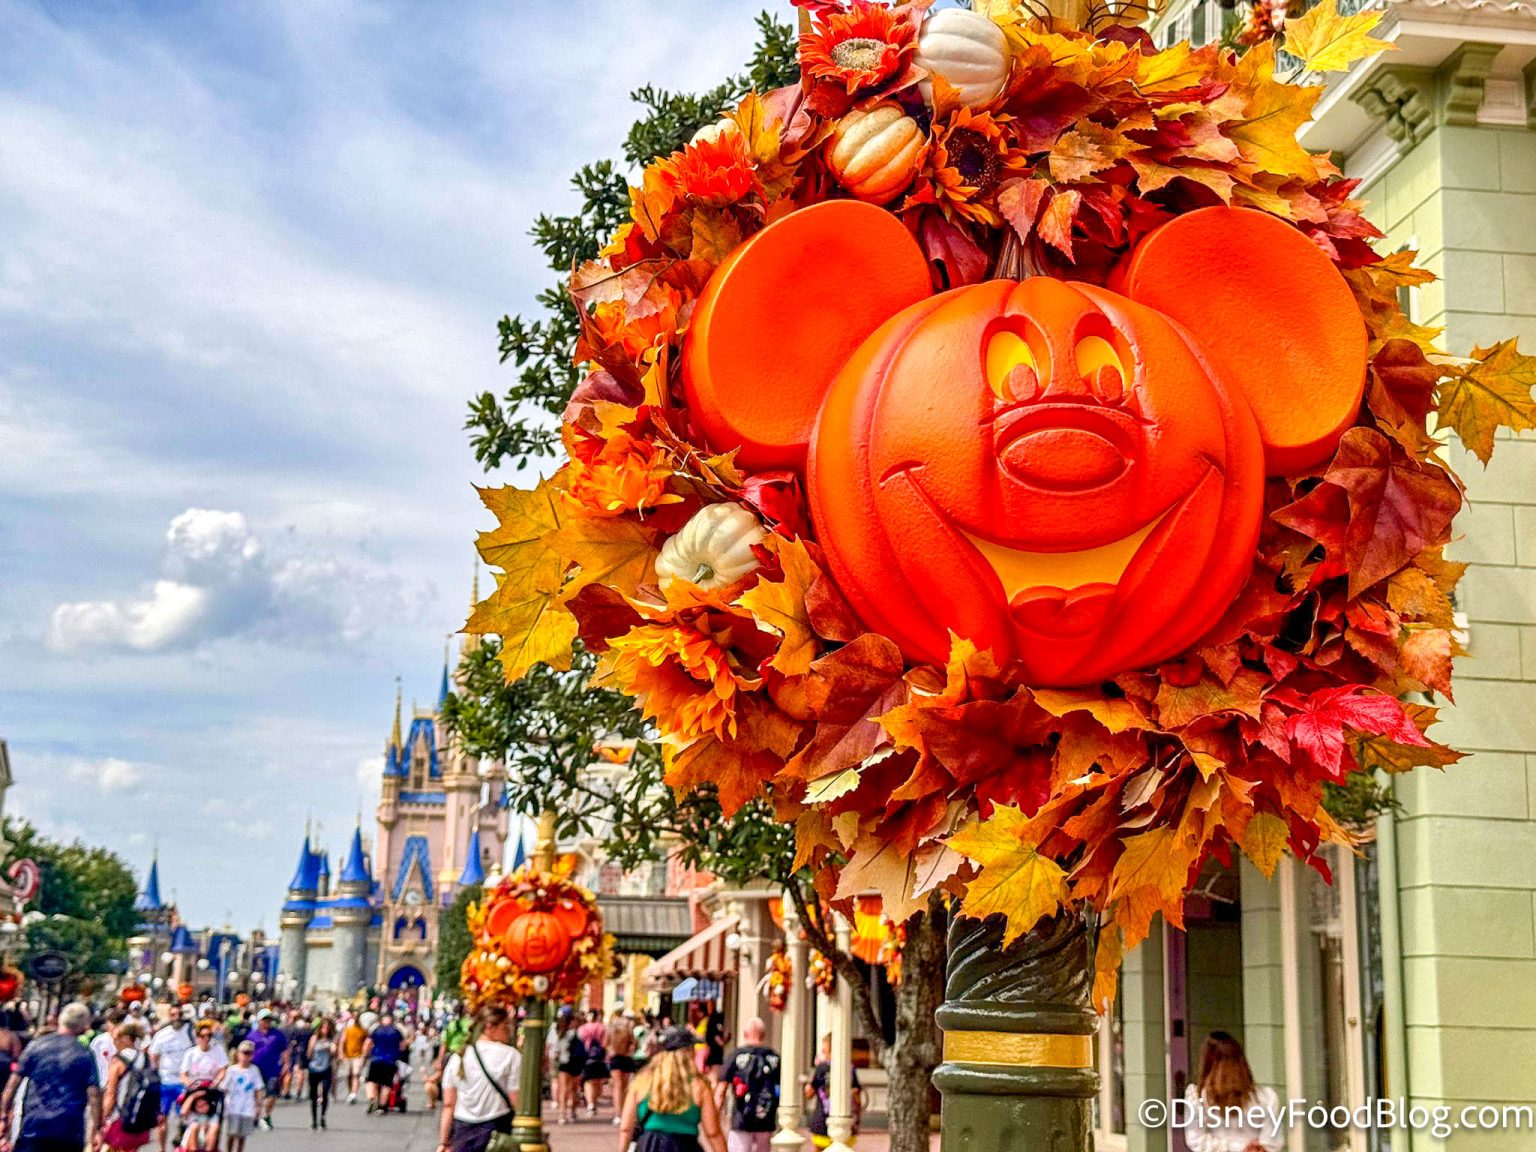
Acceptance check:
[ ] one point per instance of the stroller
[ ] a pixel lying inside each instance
(201, 1107)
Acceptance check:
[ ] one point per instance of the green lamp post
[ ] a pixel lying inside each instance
(528, 1125)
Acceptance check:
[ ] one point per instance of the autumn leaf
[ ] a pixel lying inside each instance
(607, 550)
(1117, 714)
(903, 879)
(1426, 656)
(1108, 954)
(1372, 753)
(1397, 506)
(737, 772)
(1325, 41)
(1263, 841)
(1150, 876)
(715, 235)
(1088, 148)
(1494, 392)
(845, 693)
(1055, 226)
(1413, 594)
(1317, 725)
(780, 606)
(535, 628)
(1266, 136)
(520, 543)
(1015, 879)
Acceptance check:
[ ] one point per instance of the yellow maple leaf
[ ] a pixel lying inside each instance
(780, 607)
(1495, 391)
(1107, 956)
(1088, 148)
(606, 550)
(1015, 879)
(1116, 714)
(1264, 840)
(1266, 135)
(1326, 41)
(534, 627)
(520, 545)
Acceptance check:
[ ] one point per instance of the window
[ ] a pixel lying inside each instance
(1109, 1056)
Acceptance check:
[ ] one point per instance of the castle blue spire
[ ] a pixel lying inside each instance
(149, 900)
(356, 870)
(325, 865)
(474, 867)
(182, 942)
(306, 878)
(521, 856)
(447, 687)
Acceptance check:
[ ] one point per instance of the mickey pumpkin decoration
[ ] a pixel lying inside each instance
(1033, 468)
(535, 933)
(1065, 475)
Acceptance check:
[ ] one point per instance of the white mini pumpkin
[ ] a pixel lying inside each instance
(709, 133)
(875, 154)
(713, 549)
(968, 50)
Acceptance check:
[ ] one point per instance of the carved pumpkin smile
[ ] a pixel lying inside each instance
(1068, 476)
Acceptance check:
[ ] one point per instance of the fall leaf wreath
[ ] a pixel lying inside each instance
(534, 934)
(1008, 147)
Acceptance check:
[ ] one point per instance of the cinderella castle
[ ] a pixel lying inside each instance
(441, 825)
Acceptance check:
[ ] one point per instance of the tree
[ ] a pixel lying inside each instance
(87, 895)
(524, 423)
(453, 938)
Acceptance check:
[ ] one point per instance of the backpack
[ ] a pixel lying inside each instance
(756, 1087)
(573, 1052)
(140, 1111)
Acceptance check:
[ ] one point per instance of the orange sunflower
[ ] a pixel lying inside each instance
(971, 154)
(714, 168)
(860, 48)
(679, 676)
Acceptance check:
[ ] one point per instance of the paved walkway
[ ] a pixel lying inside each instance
(351, 1129)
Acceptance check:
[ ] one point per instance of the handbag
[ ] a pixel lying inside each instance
(500, 1141)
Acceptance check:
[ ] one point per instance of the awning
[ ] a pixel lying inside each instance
(651, 925)
(694, 988)
(705, 955)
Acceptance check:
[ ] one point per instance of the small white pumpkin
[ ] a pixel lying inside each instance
(875, 154)
(713, 549)
(968, 50)
(712, 132)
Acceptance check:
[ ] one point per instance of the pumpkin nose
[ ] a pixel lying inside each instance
(1063, 459)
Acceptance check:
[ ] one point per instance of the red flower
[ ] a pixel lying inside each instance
(715, 168)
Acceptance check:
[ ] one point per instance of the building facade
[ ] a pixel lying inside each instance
(1412, 976)
(441, 823)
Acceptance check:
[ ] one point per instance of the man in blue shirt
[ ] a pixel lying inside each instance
(383, 1055)
(271, 1057)
(61, 1104)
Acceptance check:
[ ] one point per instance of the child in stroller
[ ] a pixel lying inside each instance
(201, 1105)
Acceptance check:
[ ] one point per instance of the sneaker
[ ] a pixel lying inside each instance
(352, 1099)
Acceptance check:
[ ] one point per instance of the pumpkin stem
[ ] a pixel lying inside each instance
(705, 572)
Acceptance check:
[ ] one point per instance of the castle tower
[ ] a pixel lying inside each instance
(389, 790)
(351, 914)
(298, 911)
(474, 863)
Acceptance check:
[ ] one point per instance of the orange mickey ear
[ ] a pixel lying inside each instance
(782, 315)
(1273, 314)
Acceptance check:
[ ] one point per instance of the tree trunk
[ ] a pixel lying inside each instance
(910, 1060)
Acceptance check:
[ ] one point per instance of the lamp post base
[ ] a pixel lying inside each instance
(1018, 1072)
(528, 1124)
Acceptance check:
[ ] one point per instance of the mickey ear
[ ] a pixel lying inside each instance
(1274, 315)
(783, 314)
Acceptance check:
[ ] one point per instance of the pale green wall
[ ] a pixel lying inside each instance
(1145, 1039)
(1466, 198)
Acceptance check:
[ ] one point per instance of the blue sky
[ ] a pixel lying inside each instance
(252, 256)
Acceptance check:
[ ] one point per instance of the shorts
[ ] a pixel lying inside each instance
(239, 1126)
(382, 1073)
(624, 1064)
(354, 1065)
(273, 1086)
(749, 1141)
(170, 1096)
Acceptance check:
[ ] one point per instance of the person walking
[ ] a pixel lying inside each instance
(594, 1072)
(123, 1088)
(749, 1086)
(1219, 1100)
(819, 1093)
(570, 1061)
(202, 1073)
(245, 1085)
(167, 1050)
(271, 1056)
(300, 1030)
(320, 1063)
(354, 1040)
(382, 1055)
(621, 1060)
(60, 1109)
(671, 1107)
(480, 1085)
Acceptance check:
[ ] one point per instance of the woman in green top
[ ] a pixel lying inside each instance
(671, 1107)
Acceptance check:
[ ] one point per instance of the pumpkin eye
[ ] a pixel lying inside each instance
(1012, 370)
(1102, 367)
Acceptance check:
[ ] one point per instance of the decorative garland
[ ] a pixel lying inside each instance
(535, 934)
(780, 969)
(822, 974)
(703, 588)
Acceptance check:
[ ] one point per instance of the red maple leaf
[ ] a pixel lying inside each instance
(1316, 727)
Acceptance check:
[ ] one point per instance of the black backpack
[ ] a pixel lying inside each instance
(141, 1102)
(755, 1082)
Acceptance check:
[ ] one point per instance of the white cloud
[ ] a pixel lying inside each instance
(217, 581)
(110, 774)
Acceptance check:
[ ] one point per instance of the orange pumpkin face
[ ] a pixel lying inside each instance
(537, 942)
(1060, 473)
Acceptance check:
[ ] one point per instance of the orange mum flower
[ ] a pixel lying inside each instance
(970, 154)
(621, 475)
(638, 335)
(715, 168)
(858, 49)
(680, 677)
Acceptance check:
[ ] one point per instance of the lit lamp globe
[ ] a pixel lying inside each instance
(167, 957)
(158, 982)
(202, 963)
(733, 942)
